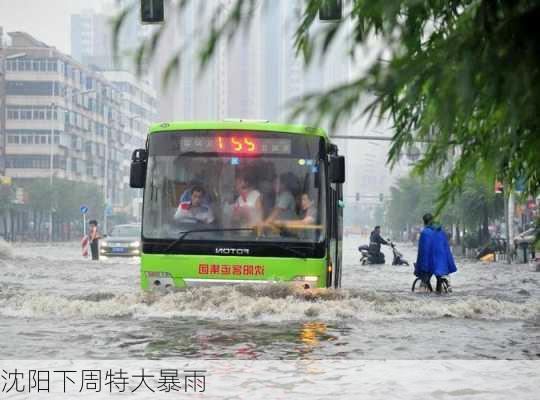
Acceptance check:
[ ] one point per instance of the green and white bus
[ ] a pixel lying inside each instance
(229, 202)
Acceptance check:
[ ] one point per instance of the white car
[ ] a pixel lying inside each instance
(124, 240)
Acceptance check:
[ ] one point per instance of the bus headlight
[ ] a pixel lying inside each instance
(104, 243)
(136, 243)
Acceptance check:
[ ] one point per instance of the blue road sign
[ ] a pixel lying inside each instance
(84, 209)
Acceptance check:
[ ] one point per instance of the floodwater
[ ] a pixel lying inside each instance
(54, 304)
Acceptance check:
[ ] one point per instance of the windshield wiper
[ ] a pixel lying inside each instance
(184, 234)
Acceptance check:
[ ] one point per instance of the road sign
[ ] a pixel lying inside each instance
(84, 209)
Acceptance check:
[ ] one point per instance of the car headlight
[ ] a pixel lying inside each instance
(136, 243)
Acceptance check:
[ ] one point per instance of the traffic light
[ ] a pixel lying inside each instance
(330, 10)
(152, 11)
(381, 197)
(357, 196)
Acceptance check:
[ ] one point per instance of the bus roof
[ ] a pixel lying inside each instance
(239, 124)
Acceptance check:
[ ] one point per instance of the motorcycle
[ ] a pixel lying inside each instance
(369, 259)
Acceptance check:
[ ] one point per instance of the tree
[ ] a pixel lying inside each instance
(65, 197)
(39, 202)
(459, 74)
(6, 198)
(473, 208)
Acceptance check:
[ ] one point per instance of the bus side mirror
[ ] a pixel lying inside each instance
(137, 173)
(337, 169)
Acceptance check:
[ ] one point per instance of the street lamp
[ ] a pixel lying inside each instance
(51, 160)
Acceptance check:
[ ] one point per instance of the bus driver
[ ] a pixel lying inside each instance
(194, 211)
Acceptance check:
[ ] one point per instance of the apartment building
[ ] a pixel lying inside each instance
(138, 111)
(62, 111)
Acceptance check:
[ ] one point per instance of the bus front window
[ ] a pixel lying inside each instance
(273, 195)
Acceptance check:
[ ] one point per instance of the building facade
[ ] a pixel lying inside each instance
(66, 120)
(92, 39)
(138, 109)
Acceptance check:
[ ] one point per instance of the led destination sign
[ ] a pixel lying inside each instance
(236, 144)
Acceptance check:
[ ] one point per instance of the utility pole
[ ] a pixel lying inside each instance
(51, 161)
(106, 182)
(511, 209)
(509, 218)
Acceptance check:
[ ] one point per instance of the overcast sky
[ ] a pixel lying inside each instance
(47, 20)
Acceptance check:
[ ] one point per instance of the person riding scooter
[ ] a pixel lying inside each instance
(375, 241)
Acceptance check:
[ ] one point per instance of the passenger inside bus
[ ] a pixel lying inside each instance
(307, 215)
(285, 187)
(308, 211)
(247, 209)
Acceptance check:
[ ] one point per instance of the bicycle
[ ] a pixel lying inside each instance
(442, 286)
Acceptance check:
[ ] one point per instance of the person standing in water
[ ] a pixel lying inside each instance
(93, 237)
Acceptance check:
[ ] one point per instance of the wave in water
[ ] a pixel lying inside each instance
(272, 304)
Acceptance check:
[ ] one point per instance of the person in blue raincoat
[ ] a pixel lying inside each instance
(434, 255)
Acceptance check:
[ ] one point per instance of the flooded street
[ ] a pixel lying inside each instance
(53, 304)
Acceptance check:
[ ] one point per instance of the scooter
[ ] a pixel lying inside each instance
(368, 259)
(398, 256)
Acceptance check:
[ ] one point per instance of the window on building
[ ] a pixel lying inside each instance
(52, 66)
(28, 88)
(74, 165)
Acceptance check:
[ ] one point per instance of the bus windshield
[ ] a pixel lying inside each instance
(234, 186)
